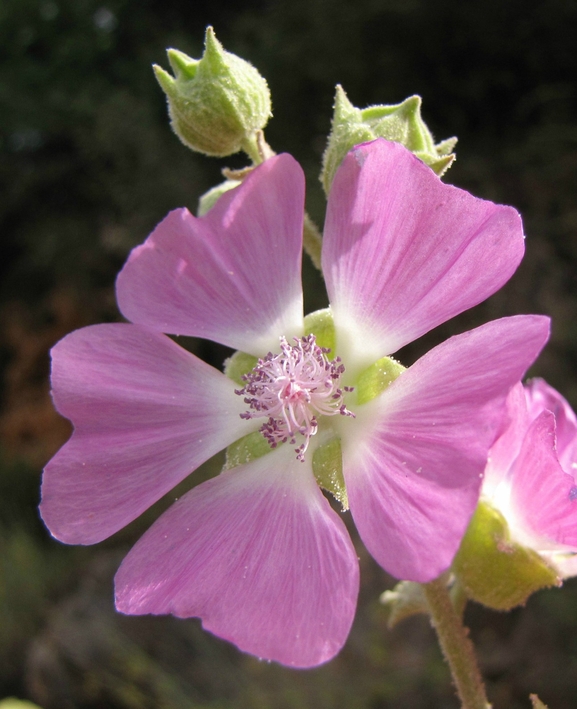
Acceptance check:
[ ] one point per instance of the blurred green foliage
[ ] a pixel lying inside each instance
(88, 166)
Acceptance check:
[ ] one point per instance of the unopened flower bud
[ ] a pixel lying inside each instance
(401, 123)
(216, 103)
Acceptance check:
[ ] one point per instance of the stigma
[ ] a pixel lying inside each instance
(292, 390)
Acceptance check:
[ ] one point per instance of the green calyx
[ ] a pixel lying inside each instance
(401, 123)
(493, 569)
(246, 449)
(210, 198)
(238, 365)
(321, 324)
(328, 470)
(376, 378)
(216, 103)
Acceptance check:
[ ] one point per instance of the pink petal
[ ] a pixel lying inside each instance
(233, 275)
(566, 564)
(542, 397)
(259, 555)
(414, 457)
(146, 414)
(506, 448)
(543, 496)
(404, 252)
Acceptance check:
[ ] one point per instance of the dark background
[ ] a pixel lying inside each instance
(89, 165)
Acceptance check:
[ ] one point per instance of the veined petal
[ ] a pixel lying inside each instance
(543, 495)
(506, 448)
(542, 397)
(233, 275)
(146, 413)
(404, 252)
(413, 458)
(259, 555)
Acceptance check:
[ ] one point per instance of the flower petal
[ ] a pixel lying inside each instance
(259, 555)
(543, 495)
(506, 448)
(146, 414)
(566, 564)
(541, 397)
(233, 275)
(404, 252)
(413, 458)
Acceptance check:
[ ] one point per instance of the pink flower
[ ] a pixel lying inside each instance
(530, 476)
(257, 552)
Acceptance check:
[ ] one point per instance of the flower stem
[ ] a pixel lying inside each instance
(312, 241)
(258, 150)
(256, 147)
(250, 147)
(456, 646)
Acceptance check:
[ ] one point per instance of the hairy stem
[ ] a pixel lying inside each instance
(456, 646)
(312, 241)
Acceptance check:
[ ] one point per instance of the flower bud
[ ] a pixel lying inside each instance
(401, 123)
(217, 103)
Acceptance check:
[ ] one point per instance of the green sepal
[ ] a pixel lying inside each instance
(327, 458)
(321, 325)
(347, 130)
(328, 470)
(376, 378)
(373, 380)
(440, 165)
(401, 123)
(210, 198)
(217, 103)
(254, 445)
(246, 449)
(495, 570)
(239, 364)
(446, 147)
(405, 600)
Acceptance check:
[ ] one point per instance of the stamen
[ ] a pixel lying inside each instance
(292, 389)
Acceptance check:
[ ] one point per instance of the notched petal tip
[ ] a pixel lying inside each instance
(233, 275)
(404, 252)
(146, 414)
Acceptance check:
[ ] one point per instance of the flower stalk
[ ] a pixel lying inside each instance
(312, 241)
(456, 646)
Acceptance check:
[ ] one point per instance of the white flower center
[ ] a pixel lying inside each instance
(292, 389)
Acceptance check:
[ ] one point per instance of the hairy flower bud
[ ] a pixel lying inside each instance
(216, 103)
(401, 123)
